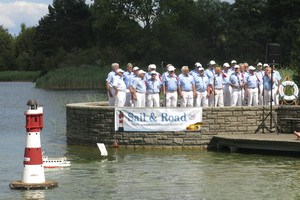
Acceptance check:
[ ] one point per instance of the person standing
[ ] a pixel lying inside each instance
(119, 88)
(195, 73)
(260, 75)
(244, 75)
(139, 90)
(196, 70)
(109, 86)
(186, 88)
(233, 63)
(153, 90)
(227, 89)
(202, 82)
(269, 85)
(210, 73)
(166, 72)
(126, 77)
(236, 83)
(131, 80)
(170, 87)
(218, 88)
(252, 87)
(277, 77)
(152, 67)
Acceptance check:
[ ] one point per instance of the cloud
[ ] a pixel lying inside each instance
(12, 15)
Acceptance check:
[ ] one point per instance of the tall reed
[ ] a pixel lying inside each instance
(84, 77)
(18, 75)
(92, 77)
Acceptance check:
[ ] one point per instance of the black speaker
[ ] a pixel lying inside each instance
(273, 53)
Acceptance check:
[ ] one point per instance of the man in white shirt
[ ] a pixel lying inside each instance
(227, 89)
(252, 87)
(119, 88)
(109, 80)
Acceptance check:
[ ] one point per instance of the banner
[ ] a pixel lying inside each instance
(158, 119)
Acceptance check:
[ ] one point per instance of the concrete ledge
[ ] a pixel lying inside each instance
(93, 122)
(281, 142)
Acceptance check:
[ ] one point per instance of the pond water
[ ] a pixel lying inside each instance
(131, 173)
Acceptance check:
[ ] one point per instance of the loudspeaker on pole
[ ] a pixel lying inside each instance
(273, 53)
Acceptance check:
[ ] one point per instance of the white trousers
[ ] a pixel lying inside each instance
(128, 101)
(244, 98)
(201, 100)
(267, 96)
(211, 100)
(252, 96)
(111, 100)
(141, 100)
(260, 96)
(276, 96)
(219, 101)
(120, 99)
(236, 97)
(227, 95)
(152, 100)
(187, 100)
(171, 99)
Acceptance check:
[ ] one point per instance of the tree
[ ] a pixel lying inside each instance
(7, 58)
(24, 48)
(67, 26)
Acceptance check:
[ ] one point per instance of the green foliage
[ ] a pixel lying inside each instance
(6, 50)
(18, 75)
(67, 26)
(24, 48)
(180, 32)
(84, 77)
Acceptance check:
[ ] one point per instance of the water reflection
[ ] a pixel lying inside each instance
(34, 194)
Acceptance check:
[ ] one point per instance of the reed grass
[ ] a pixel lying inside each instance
(93, 77)
(18, 75)
(84, 77)
(287, 72)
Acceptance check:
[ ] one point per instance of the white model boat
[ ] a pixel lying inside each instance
(55, 162)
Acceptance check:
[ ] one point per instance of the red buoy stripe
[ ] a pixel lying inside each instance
(33, 156)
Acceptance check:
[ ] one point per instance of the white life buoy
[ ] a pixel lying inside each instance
(286, 97)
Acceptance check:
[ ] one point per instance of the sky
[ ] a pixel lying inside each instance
(15, 12)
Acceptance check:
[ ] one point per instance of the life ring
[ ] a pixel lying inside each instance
(286, 97)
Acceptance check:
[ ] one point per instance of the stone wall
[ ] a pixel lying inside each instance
(89, 123)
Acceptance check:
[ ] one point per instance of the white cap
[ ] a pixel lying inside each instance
(120, 70)
(212, 62)
(259, 64)
(171, 68)
(236, 66)
(251, 68)
(142, 72)
(266, 65)
(233, 61)
(136, 68)
(226, 65)
(153, 72)
(201, 68)
(197, 64)
(152, 66)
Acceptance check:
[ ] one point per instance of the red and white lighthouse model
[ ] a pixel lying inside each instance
(33, 175)
(33, 159)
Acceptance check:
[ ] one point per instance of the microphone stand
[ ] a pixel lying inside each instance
(262, 125)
